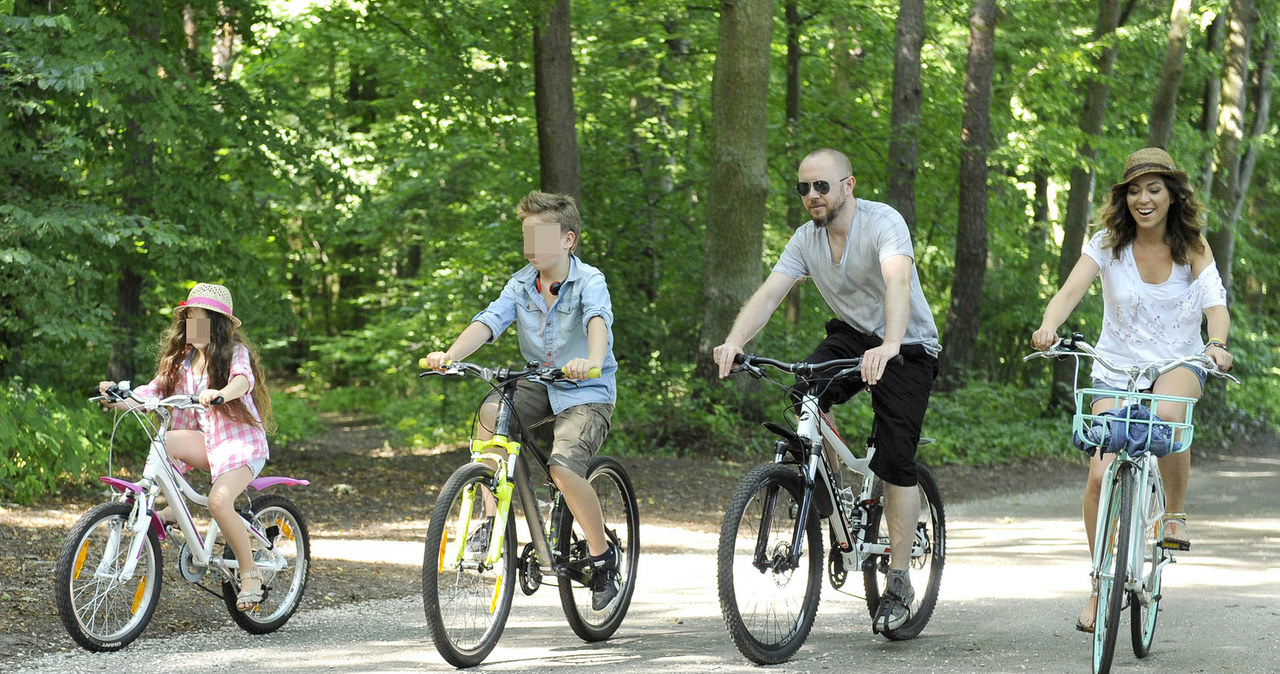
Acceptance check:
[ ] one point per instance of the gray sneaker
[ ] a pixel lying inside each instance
(478, 539)
(895, 604)
(605, 579)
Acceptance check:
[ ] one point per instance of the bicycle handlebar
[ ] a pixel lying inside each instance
(182, 401)
(750, 364)
(1074, 346)
(531, 371)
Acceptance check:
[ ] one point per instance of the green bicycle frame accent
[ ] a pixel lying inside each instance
(503, 487)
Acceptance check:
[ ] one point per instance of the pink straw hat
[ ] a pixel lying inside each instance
(211, 297)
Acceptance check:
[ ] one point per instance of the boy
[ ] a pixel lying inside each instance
(564, 316)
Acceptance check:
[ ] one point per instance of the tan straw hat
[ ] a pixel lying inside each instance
(211, 297)
(1149, 160)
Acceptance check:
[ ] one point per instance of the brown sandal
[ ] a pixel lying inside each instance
(1093, 598)
(1168, 522)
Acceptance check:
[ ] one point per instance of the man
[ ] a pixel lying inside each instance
(859, 255)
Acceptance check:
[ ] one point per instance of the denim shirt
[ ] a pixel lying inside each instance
(557, 336)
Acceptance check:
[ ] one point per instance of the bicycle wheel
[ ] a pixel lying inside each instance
(466, 600)
(101, 610)
(622, 527)
(285, 565)
(928, 556)
(1144, 604)
(768, 603)
(1112, 551)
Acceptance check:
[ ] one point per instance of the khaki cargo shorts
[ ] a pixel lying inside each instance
(574, 436)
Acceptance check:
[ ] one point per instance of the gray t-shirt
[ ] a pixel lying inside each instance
(854, 288)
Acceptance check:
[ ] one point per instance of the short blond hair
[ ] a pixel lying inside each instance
(560, 209)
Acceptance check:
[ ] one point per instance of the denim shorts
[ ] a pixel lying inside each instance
(1197, 371)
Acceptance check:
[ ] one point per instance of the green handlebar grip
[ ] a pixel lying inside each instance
(593, 373)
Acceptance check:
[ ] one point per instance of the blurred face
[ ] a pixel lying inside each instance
(544, 245)
(816, 175)
(198, 327)
(1148, 201)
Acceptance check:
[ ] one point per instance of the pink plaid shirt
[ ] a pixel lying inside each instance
(228, 444)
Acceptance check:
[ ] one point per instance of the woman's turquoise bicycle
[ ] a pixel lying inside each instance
(1129, 555)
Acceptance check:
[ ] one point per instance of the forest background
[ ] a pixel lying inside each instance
(350, 170)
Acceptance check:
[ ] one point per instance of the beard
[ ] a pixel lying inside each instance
(833, 212)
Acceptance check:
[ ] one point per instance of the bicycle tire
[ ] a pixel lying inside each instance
(1112, 569)
(768, 611)
(929, 555)
(622, 527)
(100, 613)
(1144, 606)
(283, 588)
(466, 602)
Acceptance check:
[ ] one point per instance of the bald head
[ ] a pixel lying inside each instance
(833, 159)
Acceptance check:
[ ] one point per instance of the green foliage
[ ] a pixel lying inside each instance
(984, 424)
(47, 440)
(296, 420)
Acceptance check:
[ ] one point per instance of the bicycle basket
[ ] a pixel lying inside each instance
(1131, 425)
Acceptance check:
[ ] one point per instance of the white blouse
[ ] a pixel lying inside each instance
(1145, 323)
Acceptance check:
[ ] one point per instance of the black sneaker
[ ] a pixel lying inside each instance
(478, 539)
(605, 579)
(895, 604)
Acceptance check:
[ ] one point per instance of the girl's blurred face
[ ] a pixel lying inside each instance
(198, 327)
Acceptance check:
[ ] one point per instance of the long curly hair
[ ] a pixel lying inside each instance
(1182, 224)
(223, 339)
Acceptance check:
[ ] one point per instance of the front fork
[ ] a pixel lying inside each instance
(503, 485)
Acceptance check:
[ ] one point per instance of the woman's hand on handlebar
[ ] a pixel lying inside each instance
(1044, 339)
(1220, 357)
(724, 356)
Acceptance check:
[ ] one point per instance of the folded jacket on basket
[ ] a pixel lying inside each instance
(1127, 428)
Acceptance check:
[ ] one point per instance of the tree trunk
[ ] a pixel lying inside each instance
(1082, 180)
(1228, 187)
(1209, 107)
(795, 208)
(965, 312)
(553, 101)
(739, 173)
(904, 121)
(1166, 100)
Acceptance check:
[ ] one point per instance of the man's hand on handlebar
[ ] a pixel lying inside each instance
(874, 361)
(724, 356)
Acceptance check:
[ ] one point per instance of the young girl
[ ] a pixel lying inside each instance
(203, 353)
(1158, 278)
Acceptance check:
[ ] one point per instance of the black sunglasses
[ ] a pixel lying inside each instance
(821, 186)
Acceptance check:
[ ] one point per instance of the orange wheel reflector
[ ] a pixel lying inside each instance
(84, 552)
(444, 541)
(137, 595)
(497, 589)
(285, 529)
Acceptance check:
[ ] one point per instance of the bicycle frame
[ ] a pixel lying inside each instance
(816, 430)
(510, 476)
(159, 476)
(1146, 470)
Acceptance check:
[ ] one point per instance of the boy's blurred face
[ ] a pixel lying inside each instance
(544, 245)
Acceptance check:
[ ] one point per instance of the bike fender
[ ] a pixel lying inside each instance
(121, 485)
(264, 482)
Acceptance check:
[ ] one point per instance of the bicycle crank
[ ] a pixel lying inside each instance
(530, 572)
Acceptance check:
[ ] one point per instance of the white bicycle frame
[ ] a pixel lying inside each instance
(160, 476)
(819, 430)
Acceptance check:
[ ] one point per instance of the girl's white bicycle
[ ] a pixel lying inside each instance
(109, 571)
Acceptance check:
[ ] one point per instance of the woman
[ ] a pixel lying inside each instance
(1158, 277)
